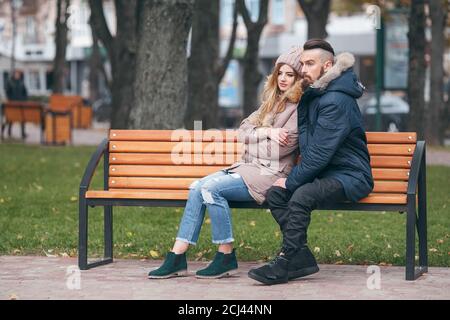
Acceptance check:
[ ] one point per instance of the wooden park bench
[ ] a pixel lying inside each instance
(22, 112)
(146, 168)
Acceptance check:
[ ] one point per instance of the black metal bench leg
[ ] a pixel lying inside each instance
(422, 220)
(83, 235)
(108, 229)
(83, 238)
(410, 240)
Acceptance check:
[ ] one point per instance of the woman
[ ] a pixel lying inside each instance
(270, 140)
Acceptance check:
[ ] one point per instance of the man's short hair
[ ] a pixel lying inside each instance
(318, 44)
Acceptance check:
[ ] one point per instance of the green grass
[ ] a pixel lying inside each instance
(39, 216)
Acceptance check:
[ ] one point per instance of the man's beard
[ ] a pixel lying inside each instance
(307, 81)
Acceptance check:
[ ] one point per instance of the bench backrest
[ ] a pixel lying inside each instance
(168, 161)
(23, 111)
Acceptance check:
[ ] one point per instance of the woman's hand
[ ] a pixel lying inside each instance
(279, 135)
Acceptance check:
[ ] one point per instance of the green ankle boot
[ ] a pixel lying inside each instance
(174, 265)
(223, 265)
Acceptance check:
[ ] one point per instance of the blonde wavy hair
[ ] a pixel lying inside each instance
(273, 100)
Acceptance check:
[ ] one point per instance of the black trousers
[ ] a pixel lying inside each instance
(292, 211)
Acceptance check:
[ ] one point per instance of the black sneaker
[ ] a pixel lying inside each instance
(175, 265)
(275, 272)
(223, 265)
(301, 263)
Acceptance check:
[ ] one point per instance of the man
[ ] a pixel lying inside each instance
(335, 162)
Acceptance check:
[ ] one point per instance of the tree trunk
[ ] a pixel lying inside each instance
(252, 76)
(160, 88)
(95, 68)
(122, 56)
(59, 63)
(436, 126)
(203, 88)
(205, 70)
(316, 13)
(416, 74)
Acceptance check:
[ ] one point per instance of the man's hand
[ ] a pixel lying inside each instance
(281, 182)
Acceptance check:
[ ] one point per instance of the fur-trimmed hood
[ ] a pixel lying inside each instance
(342, 62)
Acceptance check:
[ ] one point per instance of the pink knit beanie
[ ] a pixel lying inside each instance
(291, 58)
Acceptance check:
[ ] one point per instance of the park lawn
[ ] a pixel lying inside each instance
(39, 216)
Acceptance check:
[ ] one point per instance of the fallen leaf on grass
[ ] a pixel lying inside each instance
(154, 254)
(385, 264)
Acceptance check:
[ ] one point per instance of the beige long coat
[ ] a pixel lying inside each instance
(263, 160)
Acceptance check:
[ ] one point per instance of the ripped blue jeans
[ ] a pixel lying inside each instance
(212, 192)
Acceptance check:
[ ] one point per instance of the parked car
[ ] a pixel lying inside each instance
(394, 113)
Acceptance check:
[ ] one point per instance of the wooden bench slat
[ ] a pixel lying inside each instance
(391, 137)
(384, 198)
(183, 148)
(390, 174)
(390, 162)
(391, 149)
(201, 171)
(175, 147)
(184, 183)
(166, 158)
(139, 194)
(232, 135)
(150, 183)
(381, 186)
(163, 194)
(173, 135)
(162, 171)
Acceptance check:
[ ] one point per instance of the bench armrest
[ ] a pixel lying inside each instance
(418, 160)
(92, 165)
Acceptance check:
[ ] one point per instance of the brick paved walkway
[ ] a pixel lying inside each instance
(28, 277)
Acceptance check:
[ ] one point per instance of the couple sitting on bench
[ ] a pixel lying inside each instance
(309, 105)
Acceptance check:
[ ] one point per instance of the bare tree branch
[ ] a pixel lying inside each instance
(226, 60)
(98, 23)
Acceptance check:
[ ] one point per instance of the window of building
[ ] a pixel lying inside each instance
(30, 30)
(277, 12)
(34, 81)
